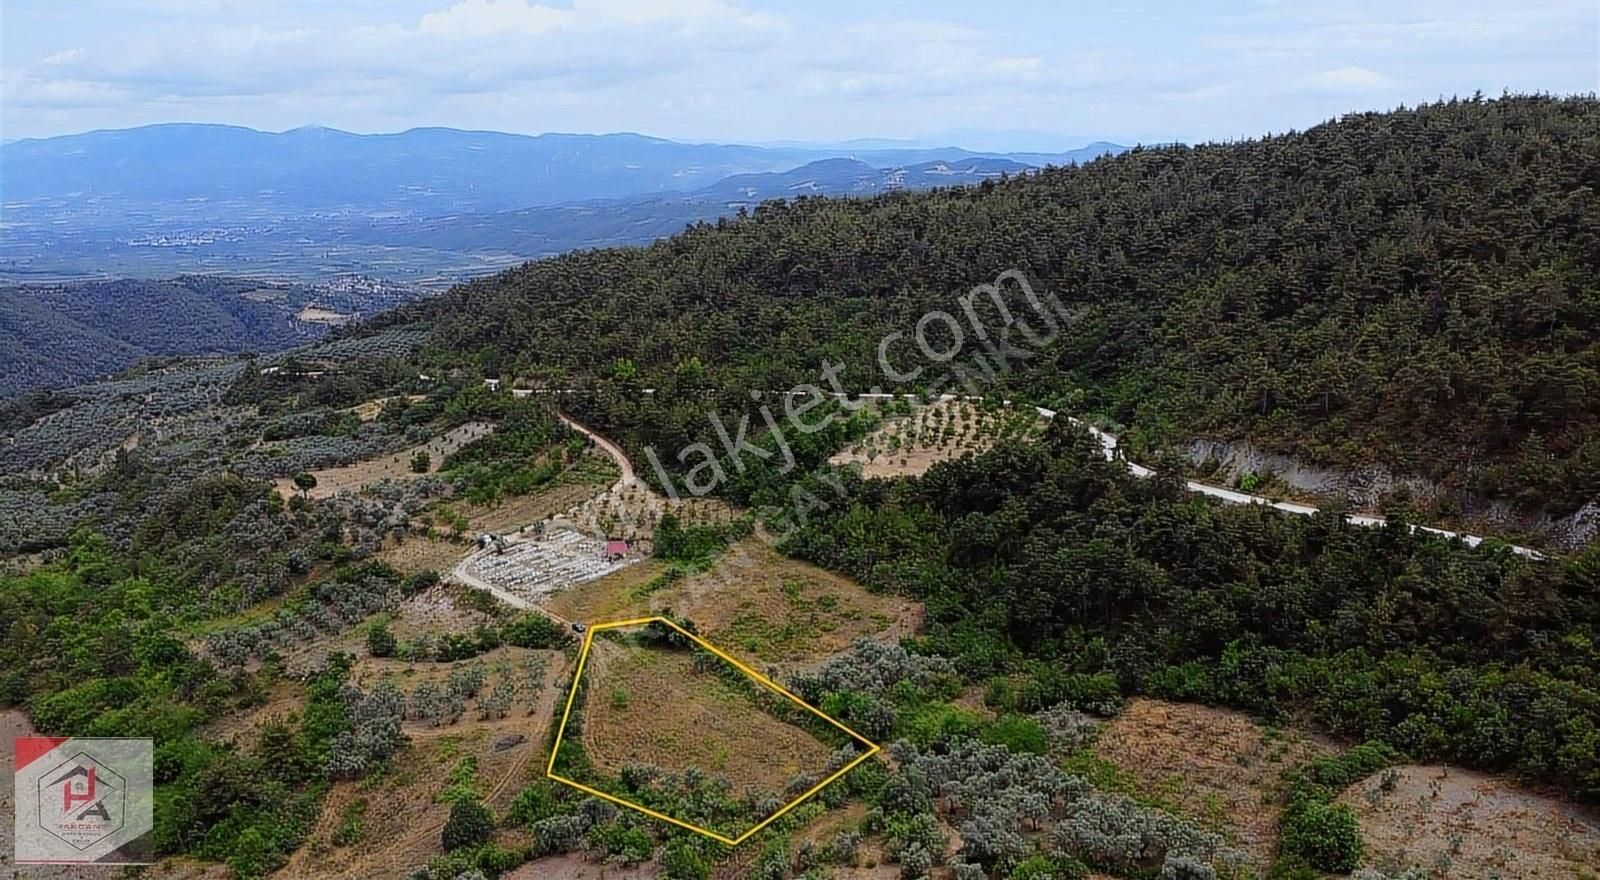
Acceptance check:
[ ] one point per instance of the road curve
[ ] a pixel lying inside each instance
(463, 570)
(1108, 445)
(611, 449)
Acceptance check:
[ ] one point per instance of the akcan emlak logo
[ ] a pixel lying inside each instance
(83, 800)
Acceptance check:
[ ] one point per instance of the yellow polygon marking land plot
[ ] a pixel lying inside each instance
(577, 679)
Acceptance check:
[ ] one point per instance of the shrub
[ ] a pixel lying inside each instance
(421, 581)
(534, 631)
(350, 824)
(533, 804)
(380, 641)
(1325, 835)
(470, 824)
(1019, 734)
(681, 861)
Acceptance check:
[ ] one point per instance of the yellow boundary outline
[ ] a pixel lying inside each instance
(577, 679)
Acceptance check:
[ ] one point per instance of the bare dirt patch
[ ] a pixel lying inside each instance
(319, 315)
(616, 596)
(516, 514)
(424, 553)
(394, 466)
(371, 409)
(1214, 766)
(648, 705)
(441, 607)
(573, 867)
(907, 445)
(1462, 824)
(754, 601)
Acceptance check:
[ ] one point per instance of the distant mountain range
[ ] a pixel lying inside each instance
(554, 229)
(853, 177)
(209, 169)
(427, 207)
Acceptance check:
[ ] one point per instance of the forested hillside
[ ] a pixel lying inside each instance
(244, 558)
(61, 335)
(1417, 288)
(1054, 575)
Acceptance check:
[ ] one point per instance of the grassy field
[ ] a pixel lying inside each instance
(394, 466)
(648, 705)
(1219, 768)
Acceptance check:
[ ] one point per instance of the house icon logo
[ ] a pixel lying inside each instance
(82, 801)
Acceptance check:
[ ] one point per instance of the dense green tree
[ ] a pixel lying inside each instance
(470, 823)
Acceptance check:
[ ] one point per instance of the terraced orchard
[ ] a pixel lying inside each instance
(914, 438)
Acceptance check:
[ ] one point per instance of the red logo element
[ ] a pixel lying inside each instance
(78, 791)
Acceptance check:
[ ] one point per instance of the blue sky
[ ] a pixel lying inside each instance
(997, 74)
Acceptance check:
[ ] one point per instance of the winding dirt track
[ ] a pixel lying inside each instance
(612, 449)
(1109, 446)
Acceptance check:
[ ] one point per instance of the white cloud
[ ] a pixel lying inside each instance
(757, 69)
(1350, 79)
(65, 56)
(476, 18)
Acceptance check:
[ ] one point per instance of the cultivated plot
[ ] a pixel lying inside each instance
(662, 722)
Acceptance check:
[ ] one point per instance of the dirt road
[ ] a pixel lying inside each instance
(611, 449)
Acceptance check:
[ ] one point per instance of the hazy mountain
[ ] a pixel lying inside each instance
(424, 170)
(219, 172)
(433, 222)
(554, 229)
(852, 177)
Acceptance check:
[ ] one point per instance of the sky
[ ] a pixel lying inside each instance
(998, 74)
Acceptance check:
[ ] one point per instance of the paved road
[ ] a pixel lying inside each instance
(1108, 445)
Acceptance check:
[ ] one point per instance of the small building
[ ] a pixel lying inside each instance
(492, 384)
(616, 548)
